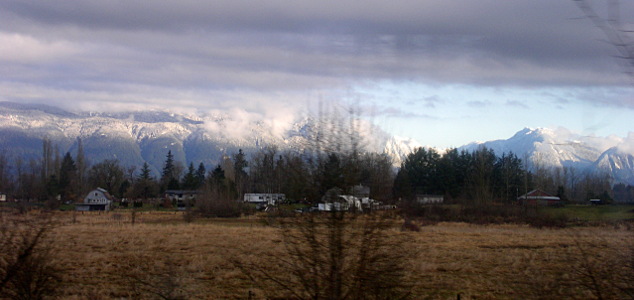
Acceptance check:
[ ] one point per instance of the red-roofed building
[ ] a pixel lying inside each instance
(538, 197)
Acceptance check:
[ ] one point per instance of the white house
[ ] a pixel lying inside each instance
(97, 199)
(264, 198)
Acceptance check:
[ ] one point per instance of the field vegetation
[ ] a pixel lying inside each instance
(479, 244)
(160, 256)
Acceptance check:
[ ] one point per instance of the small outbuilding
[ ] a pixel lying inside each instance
(97, 200)
(430, 199)
(596, 201)
(181, 198)
(539, 197)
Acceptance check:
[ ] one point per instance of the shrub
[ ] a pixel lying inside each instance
(27, 270)
(336, 255)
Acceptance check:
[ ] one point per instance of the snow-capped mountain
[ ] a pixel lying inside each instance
(145, 136)
(399, 147)
(562, 148)
(618, 164)
(137, 137)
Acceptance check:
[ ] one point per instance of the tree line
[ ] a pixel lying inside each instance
(482, 176)
(477, 177)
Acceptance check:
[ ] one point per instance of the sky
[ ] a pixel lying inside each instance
(444, 73)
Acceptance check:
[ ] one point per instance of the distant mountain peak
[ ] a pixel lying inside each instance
(24, 107)
(557, 148)
(145, 136)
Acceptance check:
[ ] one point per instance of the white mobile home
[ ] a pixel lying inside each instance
(264, 198)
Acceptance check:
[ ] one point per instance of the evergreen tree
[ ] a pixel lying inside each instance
(167, 176)
(421, 167)
(68, 178)
(295, 177)
(82, 166)
(331, 174)
(190, 181)
(144, 187)
(52, 187)
(239, 165)
(509, 175)
(217, 177)
(450, 178)
(403, 188)
(145, 172)
(200, 175)
(481, 176)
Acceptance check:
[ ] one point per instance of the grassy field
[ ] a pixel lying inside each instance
(104, 256)
(593, 213)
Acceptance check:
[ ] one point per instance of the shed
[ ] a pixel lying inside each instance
(181, 198)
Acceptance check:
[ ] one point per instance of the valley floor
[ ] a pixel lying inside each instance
(104, 256)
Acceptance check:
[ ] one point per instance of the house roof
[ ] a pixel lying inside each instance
(105, 193)
(538, 195)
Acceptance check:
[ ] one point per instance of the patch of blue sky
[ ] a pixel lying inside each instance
(452, 115)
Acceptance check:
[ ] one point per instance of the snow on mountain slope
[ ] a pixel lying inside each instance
(563, 148)
(137, 137)
(617, 164)
(399, 147)
(548, 147)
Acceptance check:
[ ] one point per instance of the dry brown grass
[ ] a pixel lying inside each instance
(105, 256)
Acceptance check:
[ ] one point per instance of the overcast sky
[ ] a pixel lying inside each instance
(443, 72)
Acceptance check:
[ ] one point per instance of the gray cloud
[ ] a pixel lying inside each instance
(431, 101)
(215, 53)
(479, 104)
(516, 103)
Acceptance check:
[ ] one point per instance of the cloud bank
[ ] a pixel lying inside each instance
(267, 59)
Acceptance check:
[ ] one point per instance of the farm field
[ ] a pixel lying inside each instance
(593, 213)
(104, 256)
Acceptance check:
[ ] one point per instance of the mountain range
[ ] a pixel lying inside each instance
(145, 136)
(561, 148)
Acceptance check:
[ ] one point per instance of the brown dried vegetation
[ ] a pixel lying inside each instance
(162, 257)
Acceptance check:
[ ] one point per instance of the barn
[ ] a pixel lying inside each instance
(96, 200)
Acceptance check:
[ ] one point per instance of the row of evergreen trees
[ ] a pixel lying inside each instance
(473, 177)
(478, 176)
(334, 156)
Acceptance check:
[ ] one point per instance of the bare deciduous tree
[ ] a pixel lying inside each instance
(612, 27)
(337, 255)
